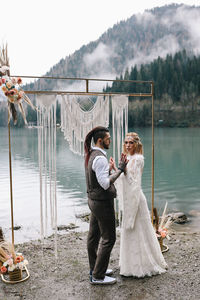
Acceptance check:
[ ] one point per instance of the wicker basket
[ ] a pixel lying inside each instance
(15, 275)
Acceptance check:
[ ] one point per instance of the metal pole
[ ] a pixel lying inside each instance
(11, 191)
(80, 78)
(10, 168)
(152, 183)
(87, 85)
(85, 93)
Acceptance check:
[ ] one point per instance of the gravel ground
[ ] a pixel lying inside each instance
(68, 278)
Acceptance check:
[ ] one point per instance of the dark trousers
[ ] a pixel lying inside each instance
(102, 226)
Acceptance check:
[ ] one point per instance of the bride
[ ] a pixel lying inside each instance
(140, 253)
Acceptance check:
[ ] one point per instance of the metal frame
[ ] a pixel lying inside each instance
(87, 92)
(87, 80)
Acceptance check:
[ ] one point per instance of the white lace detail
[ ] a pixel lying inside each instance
(140, 253)
(131, 188)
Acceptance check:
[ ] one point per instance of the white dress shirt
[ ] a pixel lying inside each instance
(100, 166)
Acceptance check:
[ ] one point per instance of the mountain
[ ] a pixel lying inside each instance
(140, 39)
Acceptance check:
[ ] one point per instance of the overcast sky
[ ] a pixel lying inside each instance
(41, 32)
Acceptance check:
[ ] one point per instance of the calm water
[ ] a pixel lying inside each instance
(177, 170)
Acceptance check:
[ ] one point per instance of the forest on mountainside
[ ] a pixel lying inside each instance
(176, 91)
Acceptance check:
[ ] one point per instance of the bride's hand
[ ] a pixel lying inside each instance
(112, 165)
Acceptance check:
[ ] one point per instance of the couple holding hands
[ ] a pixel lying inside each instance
(140, 253)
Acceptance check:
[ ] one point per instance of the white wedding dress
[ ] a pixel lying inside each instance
(140, 253)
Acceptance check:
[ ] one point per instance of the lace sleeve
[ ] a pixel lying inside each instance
(132, 190)
(134, 170)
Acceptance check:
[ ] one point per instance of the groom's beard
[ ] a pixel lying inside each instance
(105, 146)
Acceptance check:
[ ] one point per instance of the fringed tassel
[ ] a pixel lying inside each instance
(46, 116)
(119, 128)
(77, 122)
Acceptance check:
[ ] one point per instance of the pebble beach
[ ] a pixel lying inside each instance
(66, 277)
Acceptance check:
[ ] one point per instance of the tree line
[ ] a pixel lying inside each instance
(176, 90)
(177, 76)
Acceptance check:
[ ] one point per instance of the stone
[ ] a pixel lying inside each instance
(85, 217)
(194, 213)
(67, 227)
(178, 217)
(17, 227)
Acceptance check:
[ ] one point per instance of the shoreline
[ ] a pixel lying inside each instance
(69, 278)
(81, 224)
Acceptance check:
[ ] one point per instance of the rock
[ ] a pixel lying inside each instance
(33, 287)
(178, 217)
(48, 248)
(17, 227)
(67, 227)
(194, 213)
(85, 217)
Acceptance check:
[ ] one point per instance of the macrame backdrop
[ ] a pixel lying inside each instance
(119, 123)
(77, 122)
(46, 122)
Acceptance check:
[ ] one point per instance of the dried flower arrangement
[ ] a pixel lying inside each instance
(162, 225)
(10, 260)
(12, 88)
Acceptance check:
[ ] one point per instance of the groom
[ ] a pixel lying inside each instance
(101, 194)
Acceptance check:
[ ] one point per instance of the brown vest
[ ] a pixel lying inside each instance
(94, 190)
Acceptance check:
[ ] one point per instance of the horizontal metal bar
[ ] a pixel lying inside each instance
(76, 78)
(86, 93)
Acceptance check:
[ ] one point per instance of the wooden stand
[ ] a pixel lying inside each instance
(163, 247)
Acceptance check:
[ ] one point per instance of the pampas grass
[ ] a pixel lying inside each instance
(6, 249)
(164, 217)
(4, 61)
(165, 223)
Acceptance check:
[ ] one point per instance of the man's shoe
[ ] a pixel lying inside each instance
(106, 280)
(109, 272)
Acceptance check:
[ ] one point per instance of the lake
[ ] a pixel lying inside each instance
(177, 169)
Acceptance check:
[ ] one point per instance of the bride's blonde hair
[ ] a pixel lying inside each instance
(138, 147)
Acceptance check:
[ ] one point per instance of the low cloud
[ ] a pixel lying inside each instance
(93, 85)
(167, 45)
(187, 18)
(145, 18)
(101, 53)
(99, 63)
